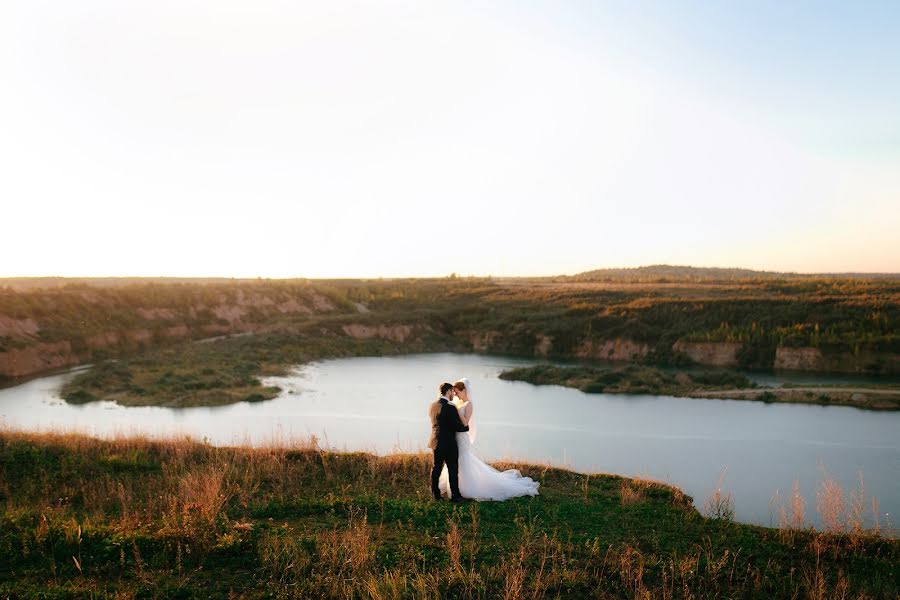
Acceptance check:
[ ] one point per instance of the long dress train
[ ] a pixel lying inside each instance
(480, 481)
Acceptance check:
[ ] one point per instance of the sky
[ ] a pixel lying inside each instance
(418, 138)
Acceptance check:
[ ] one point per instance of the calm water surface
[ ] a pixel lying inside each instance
(380, 404)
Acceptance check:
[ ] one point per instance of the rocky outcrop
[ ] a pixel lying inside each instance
(814, 359)
(292, 306)
(321, 303)
(543, 346)
(251, 299)
(615, 349)
(482, 342)
(102, 340)
(36, 358)
(17, 328)
(231, 314)
(395, 333)
(250, 309)
(714, 354)
(799, 359)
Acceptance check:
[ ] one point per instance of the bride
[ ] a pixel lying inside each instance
(479, 480)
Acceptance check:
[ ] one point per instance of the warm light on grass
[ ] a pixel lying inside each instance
(296, 519)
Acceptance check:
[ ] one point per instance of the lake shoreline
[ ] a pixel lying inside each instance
(228, 370)
(639, 379)
(861, 398)
(218, 372)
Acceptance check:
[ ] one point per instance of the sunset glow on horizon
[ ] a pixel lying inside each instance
(394, 139)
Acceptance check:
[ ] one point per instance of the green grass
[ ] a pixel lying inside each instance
(219, 372)
(133, 518)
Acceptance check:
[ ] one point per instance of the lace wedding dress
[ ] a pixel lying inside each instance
(479, 480)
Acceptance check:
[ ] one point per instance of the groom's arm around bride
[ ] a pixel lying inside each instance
(445, 423)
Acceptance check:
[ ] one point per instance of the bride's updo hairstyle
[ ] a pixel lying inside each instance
(460, 385)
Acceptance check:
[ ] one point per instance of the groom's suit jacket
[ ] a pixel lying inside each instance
(445, 422)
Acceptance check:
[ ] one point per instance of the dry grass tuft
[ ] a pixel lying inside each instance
(791, 518)
(454, 546)
(830, 505)
(630, 494)
(719, 505)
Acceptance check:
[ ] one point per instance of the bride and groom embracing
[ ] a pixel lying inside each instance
(457, 471)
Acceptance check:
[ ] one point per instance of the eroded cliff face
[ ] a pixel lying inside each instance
(799, 359)
(483, 342)
(543, 346)
(813, 359)
(714, 354)
(103, 340)
(25, 353)
(710, 354)
(18, 328)
(44, 330)
(619, 349)
(36, 358)
(394, 333)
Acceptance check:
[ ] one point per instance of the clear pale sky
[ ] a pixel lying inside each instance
(365, 139)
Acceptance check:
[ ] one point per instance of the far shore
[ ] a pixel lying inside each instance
(858, 397)
(228, 369)
(723, 385)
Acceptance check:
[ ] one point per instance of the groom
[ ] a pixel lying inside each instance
(445, 422)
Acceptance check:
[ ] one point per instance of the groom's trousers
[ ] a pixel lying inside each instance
(451, 459)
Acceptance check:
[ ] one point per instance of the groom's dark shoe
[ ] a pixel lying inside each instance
(457, 499)
(436, 498)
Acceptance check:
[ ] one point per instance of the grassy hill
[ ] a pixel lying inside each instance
(685, 274)
(138, 518)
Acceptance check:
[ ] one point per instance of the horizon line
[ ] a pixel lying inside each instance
(457, 275)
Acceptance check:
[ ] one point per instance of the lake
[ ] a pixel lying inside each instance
(380, 405)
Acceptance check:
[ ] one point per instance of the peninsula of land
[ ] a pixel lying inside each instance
(634, 379)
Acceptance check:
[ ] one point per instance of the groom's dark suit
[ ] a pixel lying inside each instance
(445, 423)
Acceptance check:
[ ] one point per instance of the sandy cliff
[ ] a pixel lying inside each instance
(26, 353)
(395, 333)
(39, 357)
(616, 349)
(716, 354)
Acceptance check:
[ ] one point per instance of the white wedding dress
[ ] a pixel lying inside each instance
(479, 480)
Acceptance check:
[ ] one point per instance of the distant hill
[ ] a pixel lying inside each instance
(648, 274)
(674, 273)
